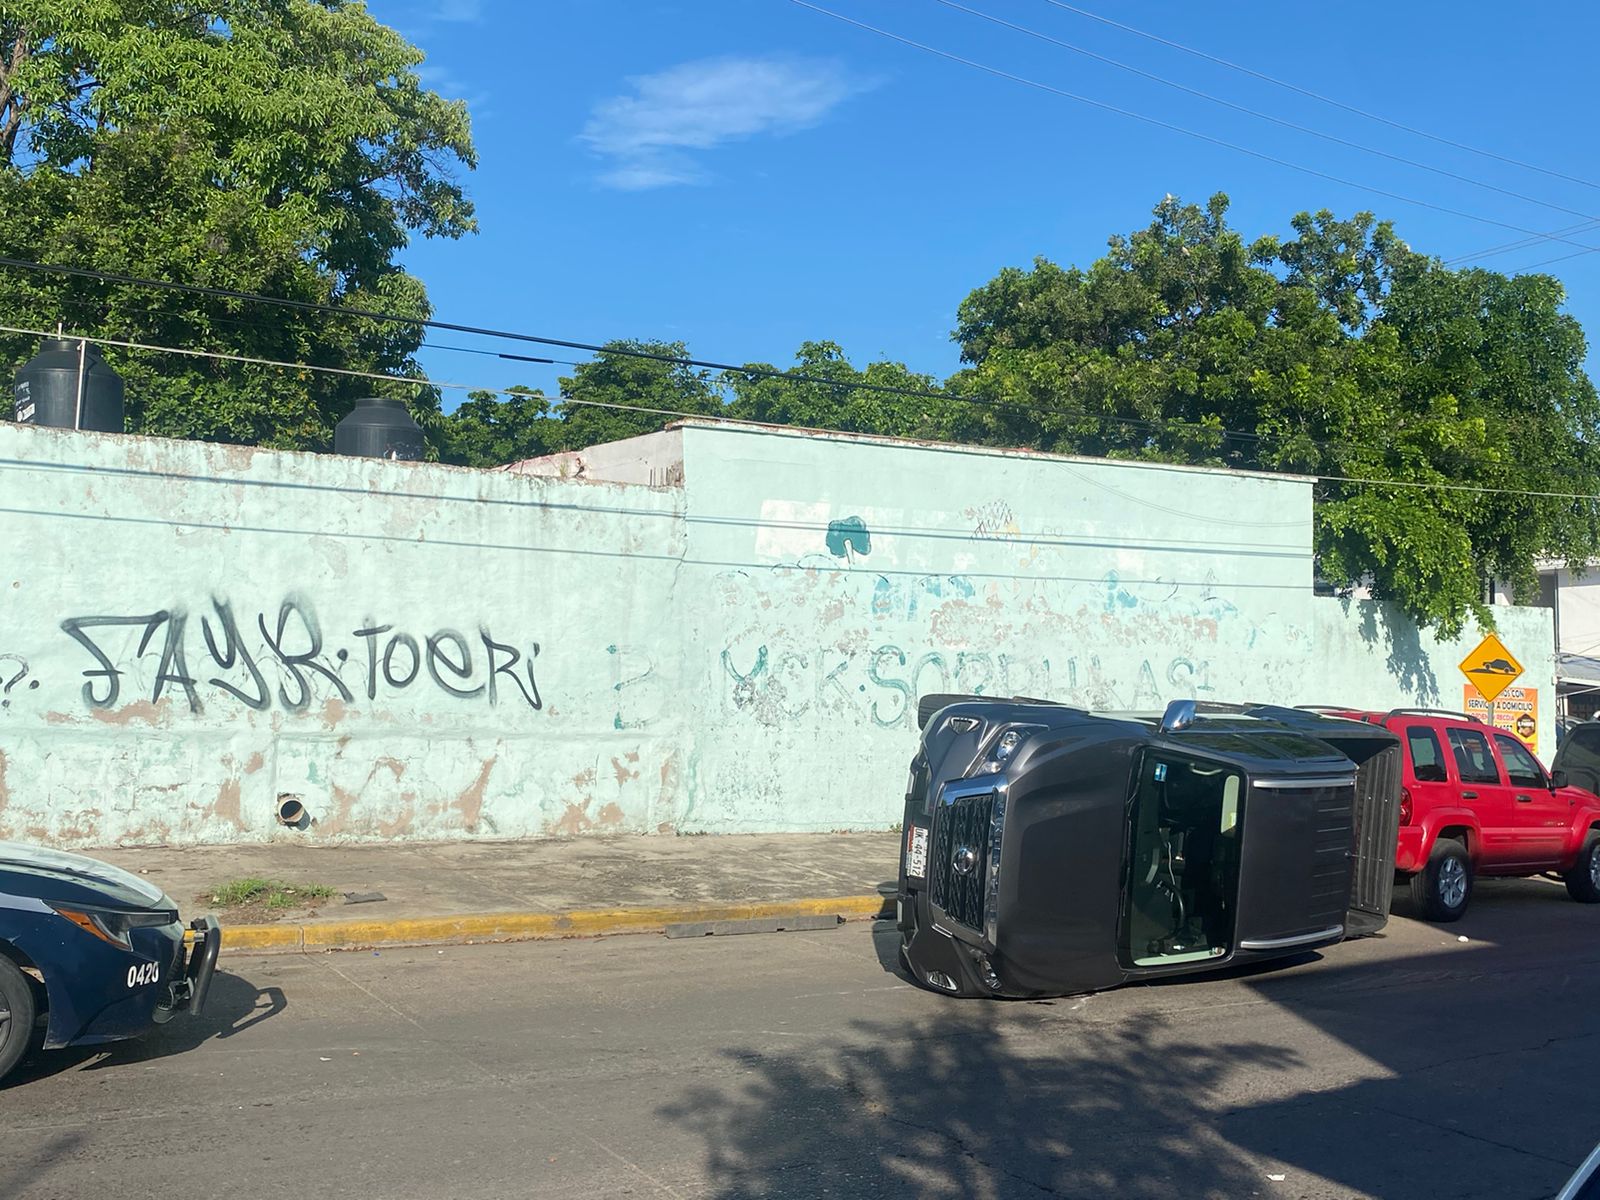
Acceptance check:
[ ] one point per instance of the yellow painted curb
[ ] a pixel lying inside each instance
(521, 926)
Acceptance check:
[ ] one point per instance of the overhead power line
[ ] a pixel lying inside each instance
(1546, 262)
(1031, 409)
(1521, 244)
(1263, 116)
(752, 371)
(1034, 410)
(1078, 412)
(1322, 99)
(627, 352)
(1000, 73)
(699, 416)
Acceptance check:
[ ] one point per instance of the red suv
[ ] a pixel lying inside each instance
(1476, 801)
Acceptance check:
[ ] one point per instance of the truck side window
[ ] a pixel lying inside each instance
(1427, 763)
(1474, 763)
(1521, 767)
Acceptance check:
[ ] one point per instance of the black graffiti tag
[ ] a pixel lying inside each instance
(232, 651)
(74, 628)
(298, 664)
(293, 647)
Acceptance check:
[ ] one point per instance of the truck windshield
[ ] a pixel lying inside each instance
(1183, 861)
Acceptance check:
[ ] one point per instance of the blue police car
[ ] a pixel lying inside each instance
(90, 953)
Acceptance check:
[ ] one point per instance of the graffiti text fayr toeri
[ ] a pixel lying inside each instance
(283, 659)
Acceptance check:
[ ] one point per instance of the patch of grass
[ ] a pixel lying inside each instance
(272, 894)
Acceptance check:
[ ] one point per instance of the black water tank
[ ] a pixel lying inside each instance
(47, 389)
(379, 429)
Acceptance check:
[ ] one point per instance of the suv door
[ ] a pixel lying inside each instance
(1485, 792)
(1539, 831)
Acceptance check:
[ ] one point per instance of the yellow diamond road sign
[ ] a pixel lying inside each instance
(1490, 668)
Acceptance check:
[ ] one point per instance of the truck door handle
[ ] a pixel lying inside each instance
(1524, 799)
(1469, 795)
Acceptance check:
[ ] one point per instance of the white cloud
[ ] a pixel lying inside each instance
(460, 10)
(650, 136)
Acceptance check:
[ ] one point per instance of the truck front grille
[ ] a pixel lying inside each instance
(961, 833)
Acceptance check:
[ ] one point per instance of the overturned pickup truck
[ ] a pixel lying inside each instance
(1050, 850)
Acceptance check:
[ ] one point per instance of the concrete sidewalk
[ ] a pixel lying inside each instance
(491, 891)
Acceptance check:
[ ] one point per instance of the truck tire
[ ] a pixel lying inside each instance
(1443, 887)
(16, 1015)
(1583, 881)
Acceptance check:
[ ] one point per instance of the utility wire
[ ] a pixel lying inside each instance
(1100, 104)
(1259, 115)
(1520, 244)
(1545, 262)
(153, 311)
(1164, 425)
(748, 371)
(412, 381)
(1167, 125)
(667, 412)
(1078, 412)
(1320, 98)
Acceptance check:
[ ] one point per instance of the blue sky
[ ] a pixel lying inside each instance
(744, 175)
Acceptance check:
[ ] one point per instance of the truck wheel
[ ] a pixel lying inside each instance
(16, 1015)
(1583, 881)
(1441, 889)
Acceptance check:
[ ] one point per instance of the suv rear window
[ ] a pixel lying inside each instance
(1474, 763)
(1427, 761)
(1521, 767)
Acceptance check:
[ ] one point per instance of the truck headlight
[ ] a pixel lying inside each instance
(1004, 748)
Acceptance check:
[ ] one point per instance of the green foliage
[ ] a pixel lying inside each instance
(1339, 353)
(490, 430)
(276, 146)
(272, 894)
(825, 399)
(599, 397)
(616, 395)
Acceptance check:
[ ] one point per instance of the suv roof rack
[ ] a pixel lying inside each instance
(1328, 708)
(1434, 712)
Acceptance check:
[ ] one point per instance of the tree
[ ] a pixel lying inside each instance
(491, 429)
(824, 397)
(1339, 353)
(621, 394)
(276, 146)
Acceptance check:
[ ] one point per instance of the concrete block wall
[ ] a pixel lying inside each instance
(192, 634)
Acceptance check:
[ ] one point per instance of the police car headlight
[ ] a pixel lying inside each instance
(110, 925)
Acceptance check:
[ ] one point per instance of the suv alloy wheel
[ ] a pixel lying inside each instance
(1442, 888)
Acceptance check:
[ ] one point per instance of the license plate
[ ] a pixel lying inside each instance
(917, 852)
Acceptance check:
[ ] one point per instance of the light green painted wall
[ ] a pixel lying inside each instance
(1370, 656)
(710, 658)
(102, 529)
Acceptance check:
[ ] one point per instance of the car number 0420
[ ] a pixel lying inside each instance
(143, 974)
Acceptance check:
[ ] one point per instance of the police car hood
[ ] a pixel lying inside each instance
(58, 877)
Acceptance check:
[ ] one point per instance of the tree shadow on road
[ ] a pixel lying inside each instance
(233, 1006)
(1478, 1076)
(27, 1161)
(978, 1098)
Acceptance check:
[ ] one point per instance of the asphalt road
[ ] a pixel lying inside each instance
(797, 1064)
